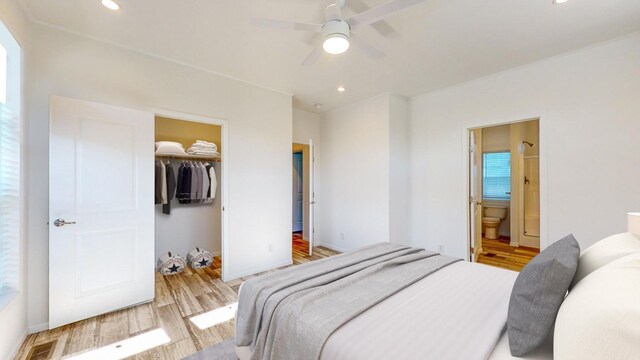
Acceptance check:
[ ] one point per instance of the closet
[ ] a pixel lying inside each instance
(186, 223)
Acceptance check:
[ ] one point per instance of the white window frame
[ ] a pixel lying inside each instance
(11, 199)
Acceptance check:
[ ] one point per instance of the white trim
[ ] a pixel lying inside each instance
(224, 191)
(14, 352)
(332, 247)
(37, 328)
(258, 270)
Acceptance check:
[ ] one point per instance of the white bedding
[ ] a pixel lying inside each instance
(459, 312)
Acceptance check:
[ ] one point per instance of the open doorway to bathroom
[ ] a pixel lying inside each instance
(504, 194)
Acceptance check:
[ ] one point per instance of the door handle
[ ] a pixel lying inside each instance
(61, 223)
(311, 202)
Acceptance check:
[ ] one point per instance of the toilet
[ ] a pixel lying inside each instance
(492, 217)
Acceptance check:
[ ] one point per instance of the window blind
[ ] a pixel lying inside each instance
(10, 124)
(496, 175)
(9, 197)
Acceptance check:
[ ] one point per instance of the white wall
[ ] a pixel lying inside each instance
(306, 126)
(353, 204)
(258, 157)
(399, 175)
(364, 195)
(13, 317)
(590, 121)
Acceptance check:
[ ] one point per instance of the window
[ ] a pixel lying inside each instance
(9, 162)
(496, 175)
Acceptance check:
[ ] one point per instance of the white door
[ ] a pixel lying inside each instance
(101, 195)
(298, 192)
(312, 196)
(475, 193)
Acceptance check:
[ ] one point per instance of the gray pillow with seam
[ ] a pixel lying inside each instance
(538, 293)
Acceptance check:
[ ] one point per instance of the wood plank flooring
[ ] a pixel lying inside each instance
(178, 298)
(500, 254)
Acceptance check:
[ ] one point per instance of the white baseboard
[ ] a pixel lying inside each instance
(332, 247)
(14, 352)
(37, 328)
(258, 270)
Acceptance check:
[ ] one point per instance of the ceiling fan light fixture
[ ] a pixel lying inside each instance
(336, 44)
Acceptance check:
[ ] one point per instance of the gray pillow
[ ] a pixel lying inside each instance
(538, 293)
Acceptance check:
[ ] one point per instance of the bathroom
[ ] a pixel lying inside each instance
(508, 193)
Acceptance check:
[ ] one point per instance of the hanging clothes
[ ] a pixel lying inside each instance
(213, 183)
(194, 183)
(205, 183)
(185, 184)
(163, 180)
(208, 170)
(171, 188)
(158, 182)
(196, 177)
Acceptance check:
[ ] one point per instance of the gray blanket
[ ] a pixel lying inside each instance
(291, 313)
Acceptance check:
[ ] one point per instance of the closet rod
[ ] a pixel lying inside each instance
(190, 157)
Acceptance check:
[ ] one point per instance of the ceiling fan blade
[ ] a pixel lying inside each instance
(285, 25)
(313, 56)
(381, 27)
(382, 11)
(365, 47)
(333, 10)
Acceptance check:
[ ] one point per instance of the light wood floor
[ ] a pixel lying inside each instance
(178, 298)
(500, 254)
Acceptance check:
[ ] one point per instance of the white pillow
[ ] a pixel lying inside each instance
(600, 318)
(605, 251)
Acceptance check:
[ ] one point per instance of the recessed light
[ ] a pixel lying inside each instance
(110, 4)
(341, 89)
(558, 2)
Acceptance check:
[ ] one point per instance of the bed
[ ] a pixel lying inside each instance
(458, 311)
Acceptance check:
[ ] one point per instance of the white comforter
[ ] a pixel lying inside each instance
(459, 312)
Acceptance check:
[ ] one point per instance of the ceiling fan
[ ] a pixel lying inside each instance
(337, 32)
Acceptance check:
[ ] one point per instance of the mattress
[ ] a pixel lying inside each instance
(459, 312)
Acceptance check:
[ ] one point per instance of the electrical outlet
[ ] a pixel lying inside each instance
(341, 236)
(270, 247)
(441, 248)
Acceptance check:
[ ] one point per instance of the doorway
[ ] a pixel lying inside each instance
(302, 195)
(191, 220)
(504, 194)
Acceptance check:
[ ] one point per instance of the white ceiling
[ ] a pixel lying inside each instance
(434, 45)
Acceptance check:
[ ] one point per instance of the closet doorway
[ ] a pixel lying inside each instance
(193, 218)
(303, 201)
